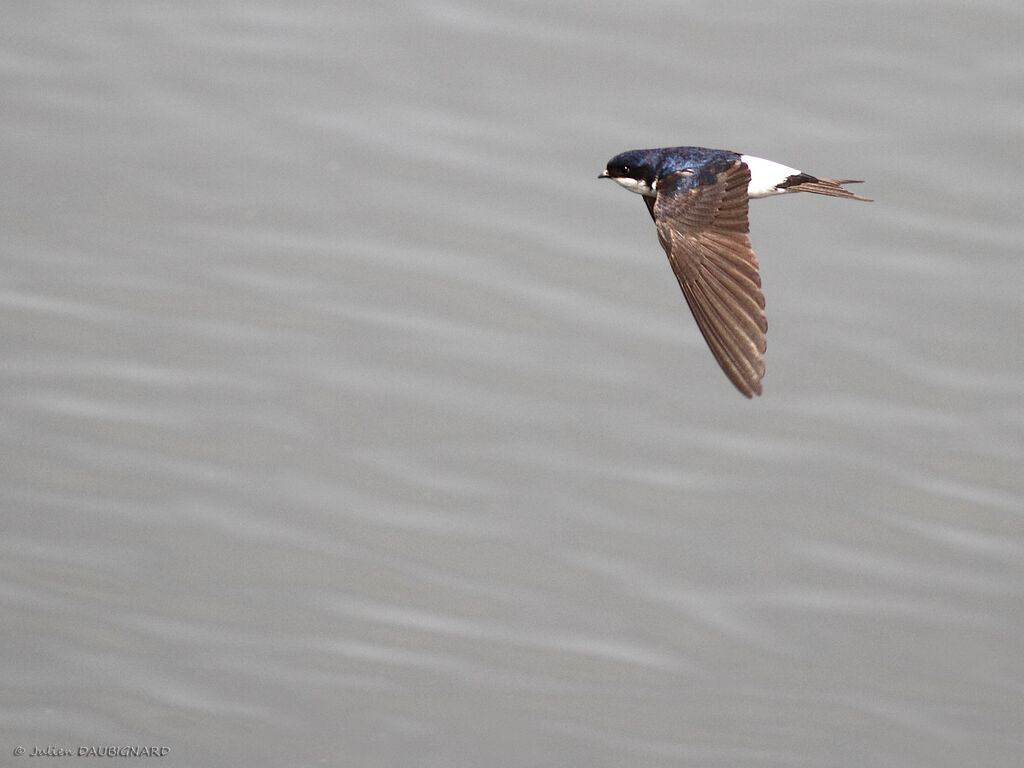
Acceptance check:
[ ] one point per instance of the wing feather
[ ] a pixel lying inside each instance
(703, 229)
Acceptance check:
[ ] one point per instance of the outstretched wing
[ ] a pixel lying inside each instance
(703, 229)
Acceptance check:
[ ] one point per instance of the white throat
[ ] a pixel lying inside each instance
(633, 185)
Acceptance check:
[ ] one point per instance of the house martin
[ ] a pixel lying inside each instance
(698, 199)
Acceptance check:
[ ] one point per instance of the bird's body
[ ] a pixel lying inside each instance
(698, 199)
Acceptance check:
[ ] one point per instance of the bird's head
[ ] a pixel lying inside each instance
(634, 170)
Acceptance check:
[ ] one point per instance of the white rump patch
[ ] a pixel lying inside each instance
(765, 176)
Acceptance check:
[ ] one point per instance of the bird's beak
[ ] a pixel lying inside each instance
(604, 174)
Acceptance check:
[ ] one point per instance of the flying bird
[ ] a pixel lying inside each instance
(698, 199)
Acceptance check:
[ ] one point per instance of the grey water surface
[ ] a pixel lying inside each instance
(348, 419)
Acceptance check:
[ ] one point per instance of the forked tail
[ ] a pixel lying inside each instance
(804, 182)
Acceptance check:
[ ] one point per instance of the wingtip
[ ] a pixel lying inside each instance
(747, 388)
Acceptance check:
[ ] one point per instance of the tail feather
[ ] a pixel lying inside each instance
(831, 187)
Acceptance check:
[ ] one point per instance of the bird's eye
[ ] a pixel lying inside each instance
(687, 171)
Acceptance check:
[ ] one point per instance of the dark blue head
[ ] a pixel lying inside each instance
(639, 169)
(638, 164)
(636, 170)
